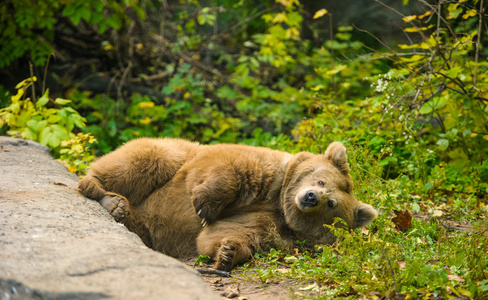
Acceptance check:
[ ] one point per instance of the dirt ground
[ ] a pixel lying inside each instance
(249, 286)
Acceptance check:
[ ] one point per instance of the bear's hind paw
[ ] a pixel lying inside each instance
(116, 205)
(225, 258)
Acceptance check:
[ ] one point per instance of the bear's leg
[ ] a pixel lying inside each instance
(91, 188)
(236, 239)
(226, 248)
(232, 252)
(115, 204)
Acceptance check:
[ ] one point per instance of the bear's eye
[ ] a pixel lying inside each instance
(321, 183)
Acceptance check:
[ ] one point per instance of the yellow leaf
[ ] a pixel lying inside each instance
(320, 13)
(469, 13)
(292, 33)
(107, 46)
(409, 18)
(425, 15)
(146, 104)
(417, 29)
(288, 3)
(25, 82)
(145, 121)
(318, 88)
(19, 95)
(280, 18)
(403, 46)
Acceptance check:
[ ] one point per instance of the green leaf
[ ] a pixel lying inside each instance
(425, 109)
(33, 124)
(60, 101)
(98, 6)
(85, 13)
(44, 136)
(42, 124)
(443, 144)
(75, 19)
(54, 119)
(43, 100)
(29, 134)
(69, 10)
(97, 17)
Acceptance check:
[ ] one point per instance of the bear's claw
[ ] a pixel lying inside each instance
(225, 258)
(205, 211)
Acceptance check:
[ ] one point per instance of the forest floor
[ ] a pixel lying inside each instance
(245, 284)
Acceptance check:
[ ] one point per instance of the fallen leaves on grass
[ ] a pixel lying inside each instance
(402, 220)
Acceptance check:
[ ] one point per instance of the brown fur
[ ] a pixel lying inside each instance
(226, 201)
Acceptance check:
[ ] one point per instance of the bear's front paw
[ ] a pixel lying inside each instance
(116, 205)
(205, 211)
(225, 257)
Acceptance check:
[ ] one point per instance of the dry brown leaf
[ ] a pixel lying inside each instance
(455, 277)
(402, 220)
(231, 292)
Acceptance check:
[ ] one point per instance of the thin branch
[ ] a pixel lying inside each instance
(123, 78)
(31, 69)
(439, 90)
(45, 75)
(214, 272)
(377, 39)
(457, 82)
(478, 43)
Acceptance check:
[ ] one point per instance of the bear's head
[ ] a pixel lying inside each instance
(318, 188)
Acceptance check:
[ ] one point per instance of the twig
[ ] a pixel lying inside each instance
(391, 271)
(332, 51)
(31, 69)
(214, 272)
(150, 77)
(123, 78)
(378, 40)
(478, 43)
(457, 82)
(45, 75)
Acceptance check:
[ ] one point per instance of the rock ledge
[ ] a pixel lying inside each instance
(56, 244)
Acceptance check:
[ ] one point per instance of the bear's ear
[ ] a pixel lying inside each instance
(364, 215)
(336, 153)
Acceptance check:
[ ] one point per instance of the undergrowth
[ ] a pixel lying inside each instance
(430, 260)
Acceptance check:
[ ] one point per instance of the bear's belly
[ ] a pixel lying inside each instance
(172, 222)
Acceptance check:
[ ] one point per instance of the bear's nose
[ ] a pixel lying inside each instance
(310, 199)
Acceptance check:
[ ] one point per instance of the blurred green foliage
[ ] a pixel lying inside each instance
(44, 120)
(28, 26)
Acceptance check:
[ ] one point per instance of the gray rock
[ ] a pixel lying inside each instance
(56, 244)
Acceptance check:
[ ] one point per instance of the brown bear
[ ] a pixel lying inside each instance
(225, 201)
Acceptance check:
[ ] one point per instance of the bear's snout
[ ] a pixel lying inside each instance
(310, 199)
